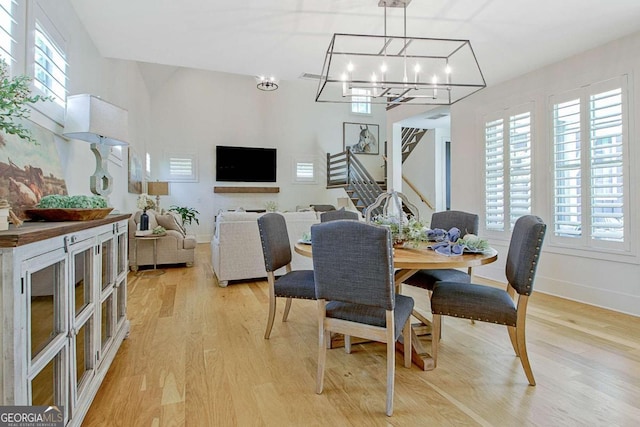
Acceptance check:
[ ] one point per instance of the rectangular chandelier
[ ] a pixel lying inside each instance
(399, 69)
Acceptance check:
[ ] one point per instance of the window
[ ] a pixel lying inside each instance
(182, 167)
(147, 165)
(50, 67)
(507, 169)
(7, 24)
(304, 171)
(361, 101)
(589, 164)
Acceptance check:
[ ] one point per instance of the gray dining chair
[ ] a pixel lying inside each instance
(494, 305)
(467, 223)
(341, 213)
(353, 265)
(277, 254)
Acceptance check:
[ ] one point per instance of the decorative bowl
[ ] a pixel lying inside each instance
(67, 214)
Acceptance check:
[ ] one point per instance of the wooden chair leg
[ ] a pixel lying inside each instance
(435, 337)
(347, 344)
(287, 307)
(512, 337)
(322, 346)
(272, 309)
(521, 343)
(391, 361)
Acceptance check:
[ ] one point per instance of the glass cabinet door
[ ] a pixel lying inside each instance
(47, 325)
(123, 240)
(83, 308)
(109, 245)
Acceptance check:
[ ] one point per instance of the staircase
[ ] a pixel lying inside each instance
(410, 138)
(344, 170)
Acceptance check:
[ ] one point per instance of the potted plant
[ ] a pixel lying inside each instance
(188, 214)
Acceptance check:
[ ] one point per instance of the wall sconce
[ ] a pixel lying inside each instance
(103, 125)
(158, 188)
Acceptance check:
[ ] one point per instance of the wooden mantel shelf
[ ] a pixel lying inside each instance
(246, 189)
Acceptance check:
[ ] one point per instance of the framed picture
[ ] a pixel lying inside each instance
(28, 172)
(361, 138)
(135, 172)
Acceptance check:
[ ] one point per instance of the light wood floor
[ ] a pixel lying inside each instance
(196, 357)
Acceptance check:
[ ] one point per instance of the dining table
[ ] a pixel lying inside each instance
(407, 261)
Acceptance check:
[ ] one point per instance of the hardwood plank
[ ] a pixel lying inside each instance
(196, 356)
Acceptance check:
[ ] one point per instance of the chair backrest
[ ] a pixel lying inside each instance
(353, 263)
(524, 253)
(467, 223)
(275, 241)
(341, 213)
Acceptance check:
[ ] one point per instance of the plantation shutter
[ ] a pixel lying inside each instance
(7, 24)
(49, 67)
(519, 166)
(494, 175)
(567, 166)
(606, 165)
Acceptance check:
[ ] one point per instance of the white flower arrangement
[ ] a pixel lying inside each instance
(403, 228)
(145, 202)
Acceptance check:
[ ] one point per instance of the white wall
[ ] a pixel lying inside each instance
(118, 82)
(195, 110)
(598, 278)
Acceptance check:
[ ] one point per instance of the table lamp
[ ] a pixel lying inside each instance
(158, 188)
(103, 125)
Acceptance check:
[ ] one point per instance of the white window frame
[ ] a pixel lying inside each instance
(583, 241)
(361, 100)
(54, 110)
(299, 165)
(189, 158)
(509, 176)
(8, 26)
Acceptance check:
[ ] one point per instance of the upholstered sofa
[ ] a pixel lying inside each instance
(236, 250)
(175, 247)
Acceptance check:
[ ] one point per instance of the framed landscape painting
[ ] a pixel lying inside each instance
(361, 138)
(30, 171)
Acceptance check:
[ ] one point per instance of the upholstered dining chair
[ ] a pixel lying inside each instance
(353, 265)
(490, 304)
(467, 223)
(341, 213)
(277, 254)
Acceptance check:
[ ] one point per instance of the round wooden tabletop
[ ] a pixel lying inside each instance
(424, 258)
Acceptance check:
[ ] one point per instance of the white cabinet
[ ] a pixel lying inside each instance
(63, 293)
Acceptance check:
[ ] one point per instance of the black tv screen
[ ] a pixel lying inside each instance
(245, 164)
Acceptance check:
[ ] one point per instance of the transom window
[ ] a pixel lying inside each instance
(361, 101)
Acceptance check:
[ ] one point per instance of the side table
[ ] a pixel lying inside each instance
(155, 271)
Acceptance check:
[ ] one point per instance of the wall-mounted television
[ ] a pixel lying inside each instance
(245, 164)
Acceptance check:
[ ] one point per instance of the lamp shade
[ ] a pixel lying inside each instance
(158, 188)
(95, 120)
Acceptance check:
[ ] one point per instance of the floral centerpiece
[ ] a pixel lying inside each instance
(404, 228)
(145, 202)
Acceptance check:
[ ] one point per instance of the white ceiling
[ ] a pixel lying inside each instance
(287, 38)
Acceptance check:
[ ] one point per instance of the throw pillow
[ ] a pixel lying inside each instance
(169, 222)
